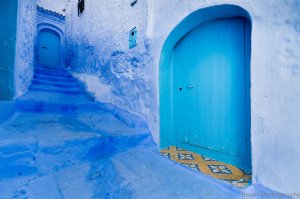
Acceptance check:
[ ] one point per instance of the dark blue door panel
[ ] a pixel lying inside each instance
(48, 49)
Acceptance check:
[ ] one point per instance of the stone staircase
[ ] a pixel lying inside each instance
(55, 81)
(57, 91)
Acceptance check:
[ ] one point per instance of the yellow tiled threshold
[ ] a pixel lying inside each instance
(216, 169)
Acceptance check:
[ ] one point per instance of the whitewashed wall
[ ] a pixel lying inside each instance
(54, 5)
(98, 47)
(275, 81)
(26, 35)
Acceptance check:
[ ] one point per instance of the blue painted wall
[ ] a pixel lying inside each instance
(8, 31)
(17, 36)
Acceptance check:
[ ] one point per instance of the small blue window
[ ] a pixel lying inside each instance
(132, 38)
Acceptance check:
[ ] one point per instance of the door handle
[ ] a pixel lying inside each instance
(44, 47)
(189, 87)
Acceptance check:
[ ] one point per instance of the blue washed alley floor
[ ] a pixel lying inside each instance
(60, 144)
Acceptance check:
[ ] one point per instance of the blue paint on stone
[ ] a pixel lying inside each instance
(78, 148)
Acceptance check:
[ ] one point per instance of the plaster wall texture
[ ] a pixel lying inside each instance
(97, 46)
(8, 33)
(26, 36)
(54, 5)
(275, 80)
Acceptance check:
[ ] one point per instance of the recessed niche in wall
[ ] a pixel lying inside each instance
(132, 37)
(80, 7)
(133, 2)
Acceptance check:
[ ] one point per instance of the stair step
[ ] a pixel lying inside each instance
(48, 97)
(55, 84)
(51, 69)
(55, 90)
(53, 73)
(53, 78)
(51, 87)
(52, 106)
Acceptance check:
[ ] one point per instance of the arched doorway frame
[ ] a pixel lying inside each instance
(189, 23)
(52, 28)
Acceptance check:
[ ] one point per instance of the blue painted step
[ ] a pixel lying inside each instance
(55, 81)
(55, 70)
(54, 78)
(52, 73)
(48, 97)
(49, 106)
(55, 90)
(56, 84)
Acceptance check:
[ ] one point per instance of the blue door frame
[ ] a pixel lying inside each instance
(206, 109)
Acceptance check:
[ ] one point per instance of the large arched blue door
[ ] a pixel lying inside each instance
(211, 90)
(49, 49)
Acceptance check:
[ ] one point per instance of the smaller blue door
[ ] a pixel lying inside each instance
(48, 49)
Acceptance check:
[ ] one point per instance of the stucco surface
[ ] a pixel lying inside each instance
(54, 5)
(97, 44)
(25, 46)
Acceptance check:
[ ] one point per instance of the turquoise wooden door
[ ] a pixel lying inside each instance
(48, 49)
(209, 89)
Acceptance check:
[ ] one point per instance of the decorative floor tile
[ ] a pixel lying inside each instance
(207, 158)
(179, 149)
(192, 166)
(246, 172)
(219, 169)
(222, 171)
(167, 155)
(185, 156)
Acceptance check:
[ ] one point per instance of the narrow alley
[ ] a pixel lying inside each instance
(149, 99)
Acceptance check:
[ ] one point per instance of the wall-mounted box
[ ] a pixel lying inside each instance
(133, 38)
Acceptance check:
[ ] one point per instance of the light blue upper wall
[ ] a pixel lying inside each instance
(8, 31)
